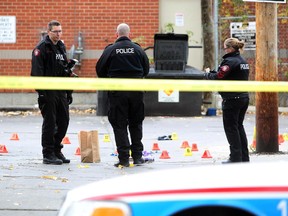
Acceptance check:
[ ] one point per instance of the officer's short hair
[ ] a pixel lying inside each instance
(123, 29)
(53, 23)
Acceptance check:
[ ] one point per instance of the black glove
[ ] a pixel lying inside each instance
(206, 73)
(69, 98)
(210, 75)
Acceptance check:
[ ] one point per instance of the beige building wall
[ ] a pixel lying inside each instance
(185, 15)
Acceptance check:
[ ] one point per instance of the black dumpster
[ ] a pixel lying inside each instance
(170, 62)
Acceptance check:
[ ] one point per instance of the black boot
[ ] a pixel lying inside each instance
(51, 159)
(139, 161)
(60, 156)
(122, 164)
(231, 161)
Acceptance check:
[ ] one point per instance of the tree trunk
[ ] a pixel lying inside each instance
(208, 40)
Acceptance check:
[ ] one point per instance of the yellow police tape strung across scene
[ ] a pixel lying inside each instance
(50, 83)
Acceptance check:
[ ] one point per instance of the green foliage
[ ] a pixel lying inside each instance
(139, 40)
(238, 10)
(190, 34)
(235, 8)
(282, 10)
(169, 28)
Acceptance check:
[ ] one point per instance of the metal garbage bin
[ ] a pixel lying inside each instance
(170, 60)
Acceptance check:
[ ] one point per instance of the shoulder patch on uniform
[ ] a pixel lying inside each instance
(36, 52)
(225, 68)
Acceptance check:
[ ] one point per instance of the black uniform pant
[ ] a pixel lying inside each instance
(126, 110)
(234, 111)
(55, 113)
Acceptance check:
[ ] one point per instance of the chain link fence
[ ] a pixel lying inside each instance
(226, 29)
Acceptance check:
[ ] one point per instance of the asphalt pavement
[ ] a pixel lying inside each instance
(29, 187)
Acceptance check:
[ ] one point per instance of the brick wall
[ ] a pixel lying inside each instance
(96, 19)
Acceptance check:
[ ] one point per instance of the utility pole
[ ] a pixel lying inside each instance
(266, 70)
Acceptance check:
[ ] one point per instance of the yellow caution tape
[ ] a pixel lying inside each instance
(50, 83)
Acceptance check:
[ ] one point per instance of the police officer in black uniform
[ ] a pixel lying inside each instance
(49, 60)
(125, 59)
(235, 104)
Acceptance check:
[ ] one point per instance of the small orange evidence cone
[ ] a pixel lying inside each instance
(66, 140)
(280, 139)
(164, 155)
(185, 144)
(194, 147)
(155, 147)
(78, 151)
(253, 145)
(14, 136)
(3, 149)
(206, 154)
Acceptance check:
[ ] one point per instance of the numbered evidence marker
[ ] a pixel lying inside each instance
(106, 138)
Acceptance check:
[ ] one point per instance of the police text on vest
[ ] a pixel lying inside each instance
(124, 50)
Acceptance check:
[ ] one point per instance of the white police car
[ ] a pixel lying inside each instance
(233, 189)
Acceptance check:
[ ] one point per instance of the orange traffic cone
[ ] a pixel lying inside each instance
(3, 149)
(66, 140)
(78, 151)
(253, 145)
(194, 147)
(164, 155)
(185, 144)
(206, 154)
(280, 139)
(14, 136)
(155, 147)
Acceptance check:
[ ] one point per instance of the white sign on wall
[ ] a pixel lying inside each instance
(245, 31)
(7, 29)
(179, 19)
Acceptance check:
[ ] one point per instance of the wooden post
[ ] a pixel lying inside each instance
(266, 70)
